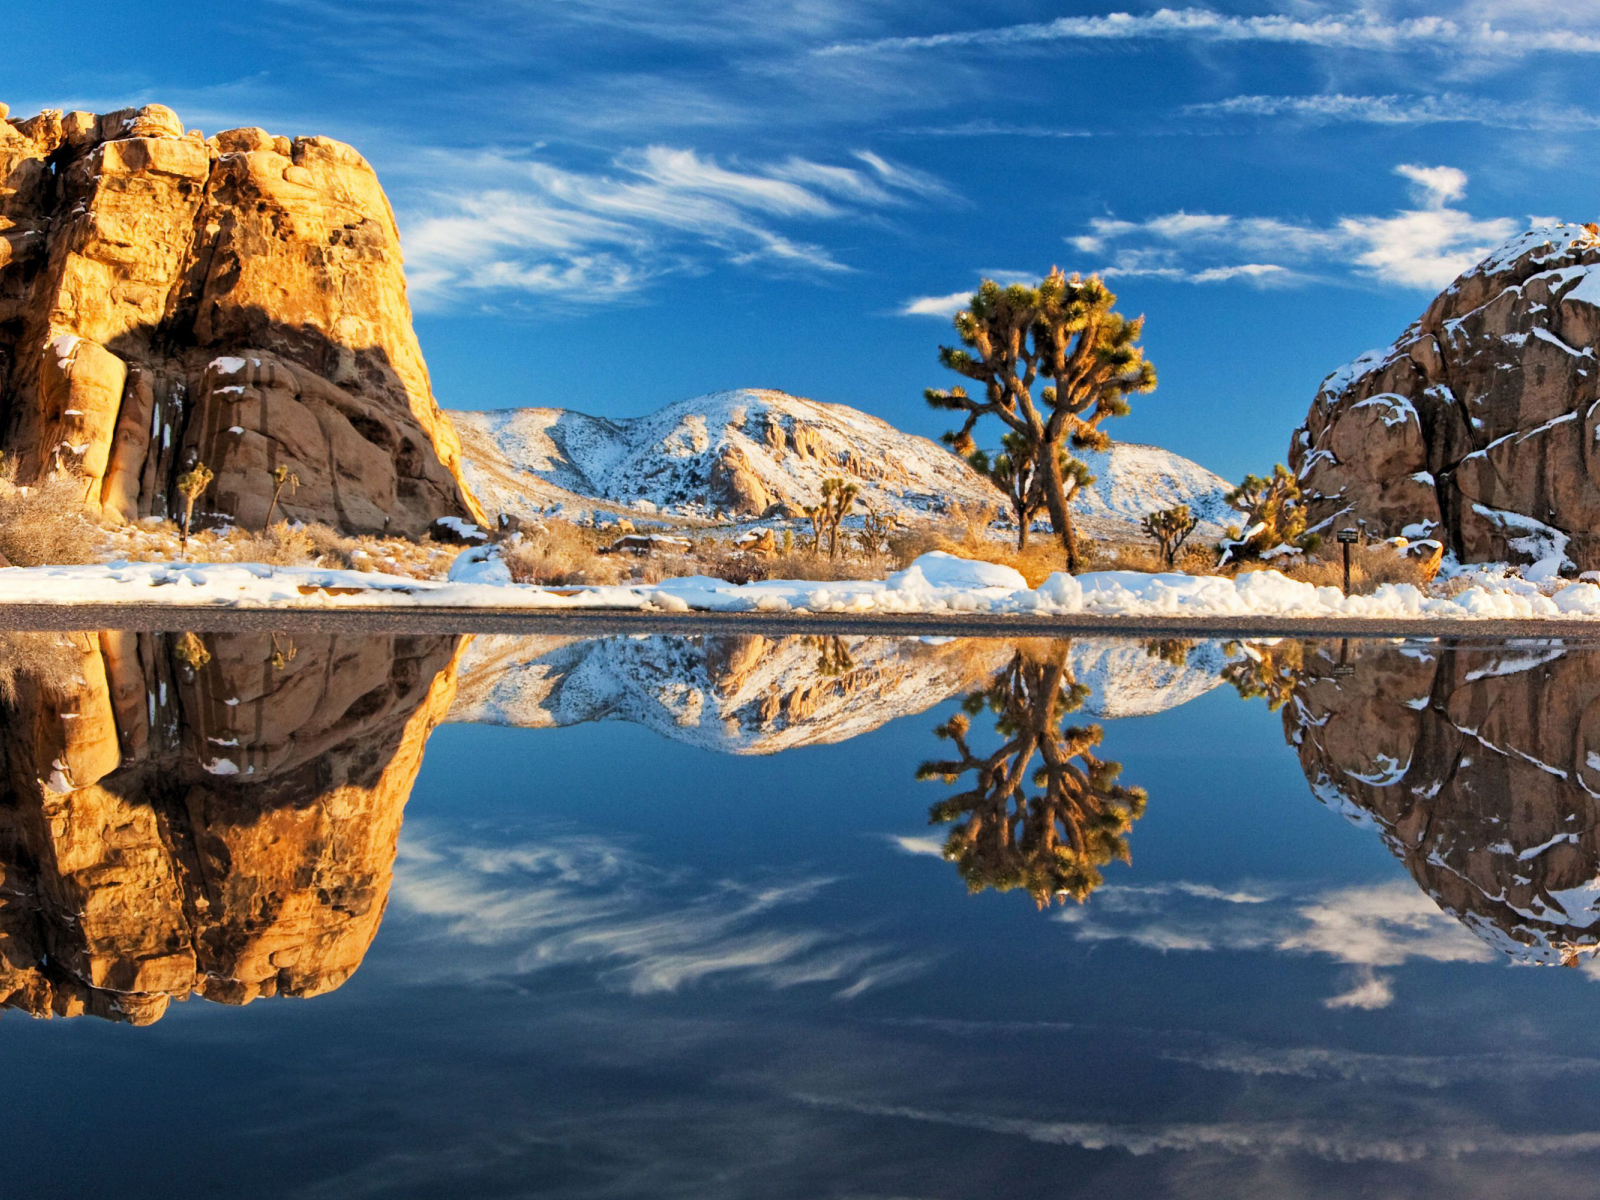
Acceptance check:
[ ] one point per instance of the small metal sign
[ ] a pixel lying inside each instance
(1347, 536)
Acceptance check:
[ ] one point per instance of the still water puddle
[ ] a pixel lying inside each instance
(798, 917)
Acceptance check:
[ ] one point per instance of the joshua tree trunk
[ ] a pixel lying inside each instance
(1023, 521)
(1056, 500)
(183, 538)
(273, 507)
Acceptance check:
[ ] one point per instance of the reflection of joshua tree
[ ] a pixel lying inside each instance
(833, 656)
(1265, 670)
(1051, 844)
(1170, 650)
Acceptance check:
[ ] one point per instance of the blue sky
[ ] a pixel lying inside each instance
(611, 204)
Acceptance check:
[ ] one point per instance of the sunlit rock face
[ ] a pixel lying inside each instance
(239, 299)
(1481, 770)
(209, 816)
(1478, 424)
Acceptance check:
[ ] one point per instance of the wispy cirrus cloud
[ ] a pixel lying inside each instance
(642, 928)
(1424, 247)
(1357, 31)
(519, 226)
(1397, 109)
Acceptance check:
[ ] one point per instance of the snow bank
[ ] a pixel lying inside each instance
(934, 583)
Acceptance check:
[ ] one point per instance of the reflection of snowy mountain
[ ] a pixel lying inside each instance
(749, 694)
(1128, 681)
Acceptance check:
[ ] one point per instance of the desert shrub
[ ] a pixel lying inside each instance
(562, 554)
(280, 545)
(45, 524)
(329, 547)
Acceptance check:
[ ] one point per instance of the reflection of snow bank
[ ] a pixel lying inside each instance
(934, 583)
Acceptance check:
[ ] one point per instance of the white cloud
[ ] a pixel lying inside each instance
(1436, 186)
(1423, 248)
(984, 127)
(937, 306)
(518, 225)
(923, 844)
(1358, 31)
(1447, 108)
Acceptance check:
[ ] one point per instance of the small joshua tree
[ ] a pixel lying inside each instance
(838, 497)
(1275, 516)
(1170, 527)
(1014, 471)
(876, 527)
(191, 484)
(281, 475)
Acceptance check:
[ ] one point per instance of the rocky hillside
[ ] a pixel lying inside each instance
(1479, 423)
(239, 300)
(743, 452)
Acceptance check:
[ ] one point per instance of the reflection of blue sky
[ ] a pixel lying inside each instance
(615, 965)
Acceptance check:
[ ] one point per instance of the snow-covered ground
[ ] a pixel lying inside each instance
(935, 583)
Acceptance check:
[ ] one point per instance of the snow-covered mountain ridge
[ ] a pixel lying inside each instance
(741, 452)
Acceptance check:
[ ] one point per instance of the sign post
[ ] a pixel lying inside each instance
(1347, 538)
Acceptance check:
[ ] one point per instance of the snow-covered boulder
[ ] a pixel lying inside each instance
(1479, 424)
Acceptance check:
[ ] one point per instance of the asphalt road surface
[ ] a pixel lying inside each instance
(599, 622)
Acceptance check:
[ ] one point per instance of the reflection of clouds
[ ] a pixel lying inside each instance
(923, 844)
(575, 900)
(1334, 1139)
(1380, 925)
(1406, 1070)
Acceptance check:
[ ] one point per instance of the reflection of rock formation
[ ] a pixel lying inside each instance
(1053, 843)
(748, 694)
(212, 816)
(1479, 766)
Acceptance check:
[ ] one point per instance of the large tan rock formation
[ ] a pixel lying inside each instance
(210, 816)
(239, 300)
(1478, 425)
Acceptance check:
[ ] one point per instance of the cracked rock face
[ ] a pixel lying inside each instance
(213, 817)
(237, 300)
(1478, 425)
(1480, 769)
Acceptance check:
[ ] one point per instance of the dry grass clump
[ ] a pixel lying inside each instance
(45, 524)
(47, 661)
(1039, 561)
(1370, 567)
(562, 554)
(286, 544)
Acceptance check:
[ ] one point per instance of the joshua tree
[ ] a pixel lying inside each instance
(1051, 844)
(281, 475)
(1275, 516)
(1171, 528)
(190, 484)
(1013, 472)
(876, 527)
(838, 497)
(1066, 331)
